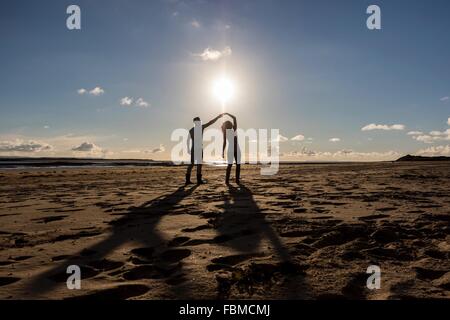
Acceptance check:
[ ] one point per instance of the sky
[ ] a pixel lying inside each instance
(138, 70)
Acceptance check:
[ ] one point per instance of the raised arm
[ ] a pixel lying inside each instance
(206, 125)
(188, 140)
(234, 121)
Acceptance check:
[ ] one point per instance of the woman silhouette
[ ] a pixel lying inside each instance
(234, 152)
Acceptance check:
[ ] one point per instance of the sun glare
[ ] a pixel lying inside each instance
(223, 90)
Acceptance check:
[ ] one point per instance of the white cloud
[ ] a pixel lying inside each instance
(281, 138)
(210, 54)
(341, 155)
(424, 138)
(24, 146)
(299, 137)
(97, 91)
(433, 136)
(126, 101)
(435, 151)
(374, 126)
(132, 151)
(444, 98)
(195, 23)
(46, 127)
(335, 140)
(89, 148)
(142, 103)
(158, 150)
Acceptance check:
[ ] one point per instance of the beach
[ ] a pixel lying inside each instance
(308, 232)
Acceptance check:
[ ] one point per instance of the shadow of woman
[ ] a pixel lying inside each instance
(137, 226)
(243, 227)
(243, 217)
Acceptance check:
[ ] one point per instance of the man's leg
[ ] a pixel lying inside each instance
(227, 176)
(188, 174)
(199, 174)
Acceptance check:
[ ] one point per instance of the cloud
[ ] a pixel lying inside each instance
(97, 91)
(46, 127)
(444, 98)
(281, 138)
(414, 133)
(433, 136)
(448, 121)
(435, 151)
(335, 140)
(342, 155)
(142, 103)
(195, 23)
(374, 126)
(158, 150)
(24, 146)
(424, 138)
(126, 101)
(299, 137)
(88, 147)
(210, 54)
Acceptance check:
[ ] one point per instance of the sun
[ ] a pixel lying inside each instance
(223, 90)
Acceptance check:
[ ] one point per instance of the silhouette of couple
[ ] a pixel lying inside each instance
(195, 146)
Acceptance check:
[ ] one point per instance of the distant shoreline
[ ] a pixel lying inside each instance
(48, 162)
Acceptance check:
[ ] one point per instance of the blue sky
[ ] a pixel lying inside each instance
(309, 68)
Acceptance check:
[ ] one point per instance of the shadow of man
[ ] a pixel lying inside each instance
(137, 226)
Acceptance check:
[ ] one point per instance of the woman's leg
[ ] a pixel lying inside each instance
(237, 158)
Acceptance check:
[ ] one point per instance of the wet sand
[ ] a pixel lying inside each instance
(309, 232)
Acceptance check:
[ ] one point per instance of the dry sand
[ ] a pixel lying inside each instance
(309, 232)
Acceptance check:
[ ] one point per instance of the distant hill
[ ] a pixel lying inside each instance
(19, 162)
(421, 158)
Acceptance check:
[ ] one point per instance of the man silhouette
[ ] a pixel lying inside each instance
(196, 148)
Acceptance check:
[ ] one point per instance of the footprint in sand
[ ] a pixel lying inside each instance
(230, 261)
(373, 217)
(175, 255)
(429, 274)
(356, 287)
(144, 272)
(105, 264)
(86, 273)
(49, 219)
(178, 241)
(146, 252)
(202, 227)
(4, 281)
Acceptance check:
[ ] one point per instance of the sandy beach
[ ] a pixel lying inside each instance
(309, 232)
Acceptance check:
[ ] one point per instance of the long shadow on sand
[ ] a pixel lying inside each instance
(243, 227)
(149, 260)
